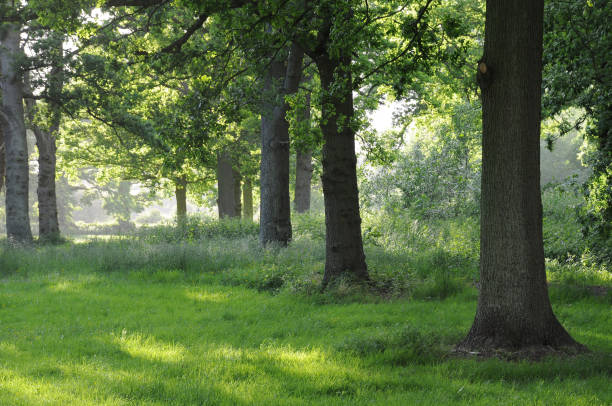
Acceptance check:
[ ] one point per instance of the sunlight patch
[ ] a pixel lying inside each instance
(202, 296)
(149, 348)
(8, 348)
(227, 353)
(65, 286)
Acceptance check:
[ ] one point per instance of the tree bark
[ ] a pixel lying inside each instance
(275, 206)
(2, 159)
(16, 148)
(48, 224)
(344, 253)
(226, 201)
(514, 310)
(237, 193)
(180, 192)
(47, 151)
(303, 169)
(247, 199)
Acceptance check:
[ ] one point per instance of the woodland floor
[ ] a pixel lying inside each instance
(81, 336)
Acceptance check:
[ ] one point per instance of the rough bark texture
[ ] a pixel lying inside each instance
(343, 243)
(237, 192)
(47, 150)
(48, 224)
(180, 192)
(303, 180)
(13, 128)
(303, 168)
(247, 199)
(275, 206)
(226, 201)
(514, 310)
(2, 159)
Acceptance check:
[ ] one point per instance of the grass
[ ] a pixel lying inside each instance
(201, 315)
(166, 337)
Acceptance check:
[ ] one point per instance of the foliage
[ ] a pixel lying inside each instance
(439, 172)
(577, 74)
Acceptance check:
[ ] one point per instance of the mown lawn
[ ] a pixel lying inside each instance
(160, 337)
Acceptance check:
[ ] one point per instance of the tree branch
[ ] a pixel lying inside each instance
(176, 45)
(133, 3)
(420, 15)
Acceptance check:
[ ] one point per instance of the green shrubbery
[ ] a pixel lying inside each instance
(407, 257)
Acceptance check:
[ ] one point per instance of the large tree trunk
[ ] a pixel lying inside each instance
(48, 224)
(180, 192)
(237, 193)
(226, 201)
(343, 243)
(303, 168)
(16, 147)
(514, 310)
(303, 180)
(275, 206)
(2, 159)
(247, 199)
(46, 143)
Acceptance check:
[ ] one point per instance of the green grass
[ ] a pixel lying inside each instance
(170, 338)
(202, 315)
(156, 321)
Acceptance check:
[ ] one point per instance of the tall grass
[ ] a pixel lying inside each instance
(406, 256)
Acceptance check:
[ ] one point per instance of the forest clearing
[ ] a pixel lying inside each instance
(298, 202)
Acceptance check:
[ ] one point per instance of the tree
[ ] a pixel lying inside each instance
(303, 141)
(353, 45)
(514, 310)
(227, 180)
(2, 159)
(12, 122)
(343, 242)
(45, 126)
(275, 209)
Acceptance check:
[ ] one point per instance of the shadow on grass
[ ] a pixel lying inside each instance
(112, 340)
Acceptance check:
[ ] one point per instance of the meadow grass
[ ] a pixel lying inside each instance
(204, 316)
(167, 337)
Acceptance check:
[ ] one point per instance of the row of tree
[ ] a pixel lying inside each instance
(175, 90)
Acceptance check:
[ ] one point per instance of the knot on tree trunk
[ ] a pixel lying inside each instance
(484, 75)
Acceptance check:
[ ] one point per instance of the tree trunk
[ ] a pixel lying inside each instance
(48, 224)
(226, 201)
(343, 243)
(2, 159)
(180, 192)
(275, 206)
(303, 168)
(237, 193)
(247, 200)
(514, 310)
(48, 229)
(13, 127)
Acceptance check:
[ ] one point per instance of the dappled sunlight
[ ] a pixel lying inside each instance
(8, 348)
(206, 296)
(32, 390)
(146, 347)
(66, 286)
